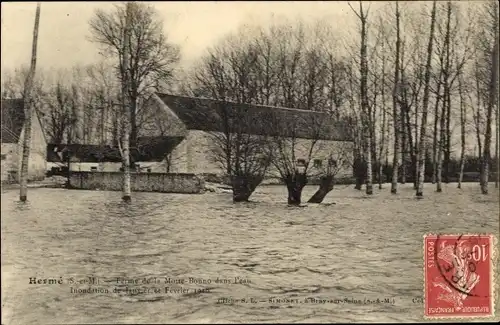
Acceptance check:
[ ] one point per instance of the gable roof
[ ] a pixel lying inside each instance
(222, 116)
(12, 120)
(148, 149)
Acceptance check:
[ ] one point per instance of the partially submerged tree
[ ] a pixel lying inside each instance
(292, 66)
(366, 116)
(493, 51)
(338, 160)
(241, 149)
(296, 137)
(395, 161)
(28, 109)
(423, 125)
(463, 123)
(126, 104)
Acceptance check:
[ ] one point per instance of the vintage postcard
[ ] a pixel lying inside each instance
(169, 162)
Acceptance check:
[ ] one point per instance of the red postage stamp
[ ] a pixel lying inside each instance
(459, 276)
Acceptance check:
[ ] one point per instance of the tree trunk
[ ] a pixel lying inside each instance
(383, 129)
(28, 111)
(295, 184)
(133, 121)
(325, 187)
(491, 103)
(243, 187)
(415, 163)
(463, 121)
(403, 151)
(405, 131)
(441, 145)
(415, 151)
(443, 125)
(360, 172)
(395, 161)
(126, 109)
(497, 179)
(435, 133)
(423, 125)
(477, 120)
(365, 109)
(447, 147)
(369, 172)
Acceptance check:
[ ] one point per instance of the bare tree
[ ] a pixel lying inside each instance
(365, 109)
(232, 74)
(423, 125)
(338, 160)
(395, 161)
(286, 65)
(446, 97)
(151, 57)
(59, 112)
(492, 92)
(242, 147)
(103, 92)
(296, 140)
(28, 108)
(125, 80)
(463, 122)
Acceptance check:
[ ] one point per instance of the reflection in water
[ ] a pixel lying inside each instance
(316, 263)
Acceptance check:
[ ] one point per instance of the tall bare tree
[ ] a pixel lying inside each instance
(395, 161)
(125, 79)
(423, 125)
(151, 57)
(463, 122)
(28, 108)
(365, 107)
(492, 92)
(446, 102)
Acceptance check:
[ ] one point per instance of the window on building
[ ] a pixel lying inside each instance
(4, 156)
(149, 170)
(93, 169)
(301, 162)
(318, 163)
(262, 160)
(332, 163)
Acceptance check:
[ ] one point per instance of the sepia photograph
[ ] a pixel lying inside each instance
(206, 162)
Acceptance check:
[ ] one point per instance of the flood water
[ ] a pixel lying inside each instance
(340, 255)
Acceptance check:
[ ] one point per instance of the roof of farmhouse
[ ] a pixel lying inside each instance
(12, 120)
(148, 149)
(223, 116)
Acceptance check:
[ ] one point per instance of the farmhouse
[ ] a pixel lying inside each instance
(200, 122)
(149, 156)
(13, 125)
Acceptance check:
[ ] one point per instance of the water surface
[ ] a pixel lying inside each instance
(356, 249)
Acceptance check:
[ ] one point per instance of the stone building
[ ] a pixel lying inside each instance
(200, 122)
(13, 122)
(149, 156)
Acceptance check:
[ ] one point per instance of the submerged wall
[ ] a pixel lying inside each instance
(139, 182)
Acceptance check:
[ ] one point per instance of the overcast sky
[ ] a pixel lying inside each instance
(63, 37)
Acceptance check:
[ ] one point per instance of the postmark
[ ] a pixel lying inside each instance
(459, 276)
